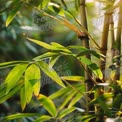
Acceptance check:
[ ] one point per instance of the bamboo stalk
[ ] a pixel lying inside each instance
(85, 43)
(118, 42)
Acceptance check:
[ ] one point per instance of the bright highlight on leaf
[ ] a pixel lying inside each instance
(12, 14)
(51, 73)
(32, 81)
(14, 75)
(47, 104)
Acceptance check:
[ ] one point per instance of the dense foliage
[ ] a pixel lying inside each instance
(52, 69)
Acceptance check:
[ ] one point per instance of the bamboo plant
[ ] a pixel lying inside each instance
(102, 98)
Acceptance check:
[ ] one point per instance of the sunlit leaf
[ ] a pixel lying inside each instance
(32, 81)
(73, 78)
(60, 92)
(11, 64)
(92, 66)
(65, 112)
(19, 115)
(51, 73)
(53, 60)
(12, 14)
(43, 118)
(47, 103)
(11, 93)
(22, 98)
(60, 47)
(14, 75)
(45, 55)
(67, 99)
(76, 98)
(43, 44)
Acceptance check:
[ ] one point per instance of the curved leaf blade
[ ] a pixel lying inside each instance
(19, 115)
(43, 118)
(14, 75)
(13, 14)
(51, 73)
(32, 81)
(47, 103)
(65, 112)
(92, 66)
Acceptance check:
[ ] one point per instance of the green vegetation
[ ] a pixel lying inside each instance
(56, 66)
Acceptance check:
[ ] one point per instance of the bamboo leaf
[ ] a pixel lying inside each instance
(43, 44)
(67, 99)
(47, 103)
(44, 3)
(45, 55)
(73, 78)
(60, 92)
(11, 64)
(92, 66)
(51, 73)
(19, 115)
(32, 81)
(53, 60)
(76, 98)
(13, 14)
(22, 98)
(65, 112)
(43, 118)
(11, 93)
(14, 75)
(60, 47)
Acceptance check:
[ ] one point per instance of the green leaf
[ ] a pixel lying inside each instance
(54, 7)
(13, 14)
(53, 60)
(32, 81)
(65, 112)
(51, 73)
(43, 44)
(68, 99)
(19, 115)
(92, 66)
(87, 118)
(22, 98)
(45, 55)
(60, 92)
(47, 103)
(43, 118)
(11, 64)
(76, 98)
(11, 93)
(14, 75)
(44, 3)
(60, 47)
(73, 78)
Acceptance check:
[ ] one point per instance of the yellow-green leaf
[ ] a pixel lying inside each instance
(73, 78)
(51, 73)
(14, 75)
(47, 103)
(13, 14)
(92, 66)
(22, 98)
(32, 81)
(43, 118)
(65, 112)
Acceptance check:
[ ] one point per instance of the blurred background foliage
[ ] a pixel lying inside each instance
(14, 46)
(30, 22)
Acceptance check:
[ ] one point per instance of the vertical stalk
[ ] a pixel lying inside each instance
(104, 38)
(108, 20)
(118, 42)
(85, 43)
